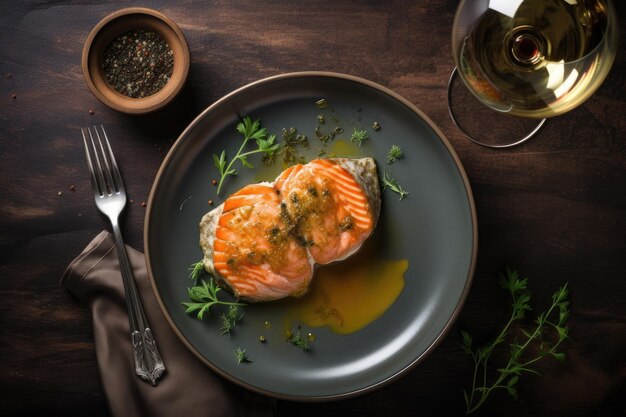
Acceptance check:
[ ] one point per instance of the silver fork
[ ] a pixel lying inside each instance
(110, 195)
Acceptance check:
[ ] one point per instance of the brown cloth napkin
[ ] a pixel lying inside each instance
(188, 387)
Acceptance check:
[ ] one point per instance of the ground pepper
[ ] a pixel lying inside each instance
(138, 63)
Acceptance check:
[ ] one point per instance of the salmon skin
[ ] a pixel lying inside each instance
(263, 242)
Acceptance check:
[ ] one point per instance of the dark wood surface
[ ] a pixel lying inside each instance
(554, 208)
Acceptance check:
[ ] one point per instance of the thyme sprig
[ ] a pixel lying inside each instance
(250, 130)
(394, 154)
(358, 136)
(230, 319)
(299, 341)
(507, 377)
(204, 296)
(390, 182)
(241, 356)
(196, 270)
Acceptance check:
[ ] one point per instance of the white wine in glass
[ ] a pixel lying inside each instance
(534, 58)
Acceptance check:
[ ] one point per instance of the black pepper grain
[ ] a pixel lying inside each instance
(138, 63)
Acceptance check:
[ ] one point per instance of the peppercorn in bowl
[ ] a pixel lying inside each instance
(136, 60)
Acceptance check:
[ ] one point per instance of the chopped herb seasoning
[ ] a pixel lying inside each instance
(394, 154)
(358, 136)
(299, 341)
(289, 147)
(323, 136)
(138, 63)
(241, 356)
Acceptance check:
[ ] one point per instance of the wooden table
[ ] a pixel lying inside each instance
(554, 208)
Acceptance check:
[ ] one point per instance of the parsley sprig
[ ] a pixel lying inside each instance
(508, 376)
(250, 130)
(204, 296)
(390, 182)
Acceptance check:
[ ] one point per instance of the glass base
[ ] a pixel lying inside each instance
(483, 125)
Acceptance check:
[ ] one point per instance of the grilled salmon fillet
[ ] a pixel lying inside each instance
(264, 241)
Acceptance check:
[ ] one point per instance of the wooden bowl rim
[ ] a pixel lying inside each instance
(114, 99)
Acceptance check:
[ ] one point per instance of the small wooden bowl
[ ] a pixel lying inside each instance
(112, 26)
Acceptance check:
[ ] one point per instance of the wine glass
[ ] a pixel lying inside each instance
(531, 58)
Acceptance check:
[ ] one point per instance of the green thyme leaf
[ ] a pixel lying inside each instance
(241, 356)
(392, 184)
(358, 136)
(394, 154)
(299, 341)
(197, 269)
(521, 356)
(230, 319)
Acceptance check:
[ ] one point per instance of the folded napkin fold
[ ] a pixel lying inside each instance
(188, 387)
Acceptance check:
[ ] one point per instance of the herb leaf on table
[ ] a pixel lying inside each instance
(506, 377)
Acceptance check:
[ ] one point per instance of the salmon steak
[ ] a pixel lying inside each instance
(264, 241)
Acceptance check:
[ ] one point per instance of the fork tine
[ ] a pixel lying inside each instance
(115, 170)
(92, 176)
(99, 172)
(105, 158)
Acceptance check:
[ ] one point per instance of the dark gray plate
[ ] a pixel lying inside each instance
(434, 228)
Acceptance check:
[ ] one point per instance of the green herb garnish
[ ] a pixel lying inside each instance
(241, 356)
(394, 153)
(204, 296)
(392, 184)
(508, 376)
(230, 319)
(250, 130)
(297, 340)
(289, 145)
(358, 136)
(197, 269)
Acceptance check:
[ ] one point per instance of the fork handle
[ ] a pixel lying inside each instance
(148, 363)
